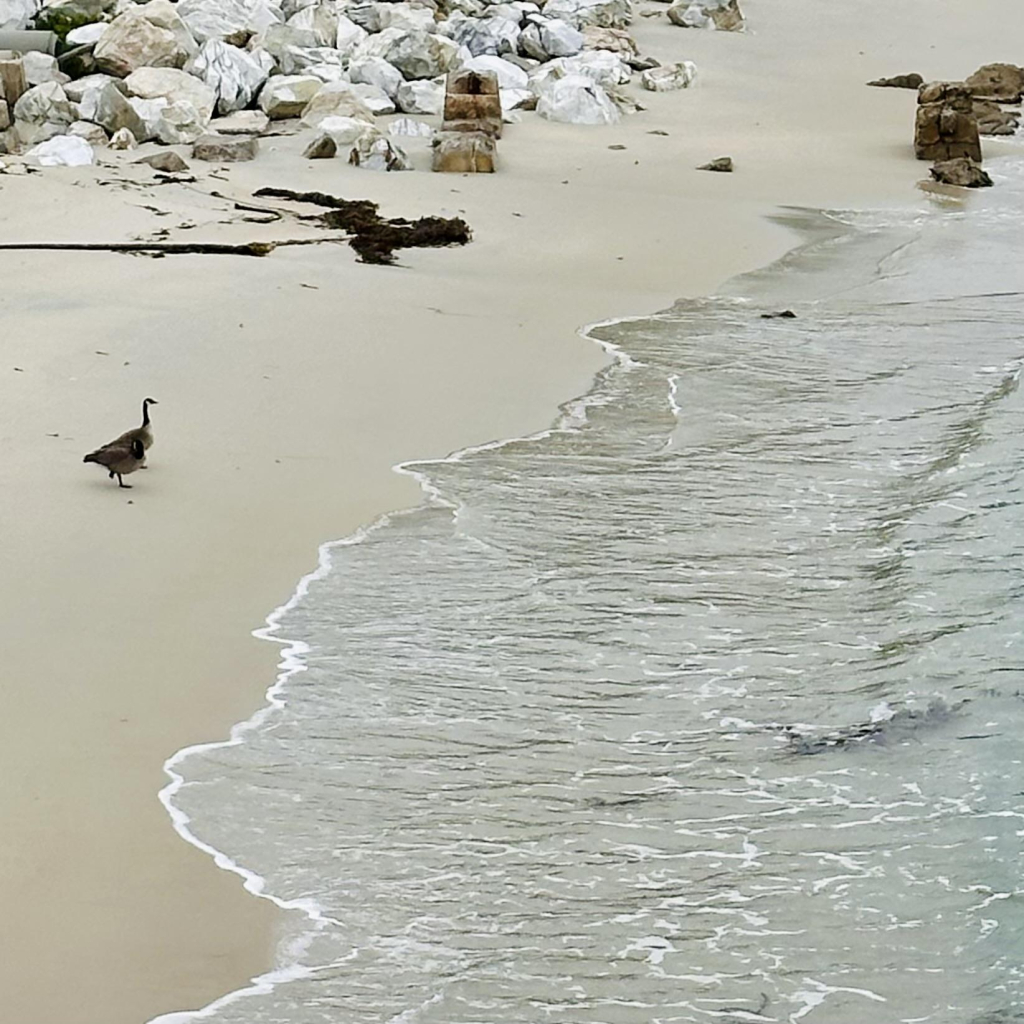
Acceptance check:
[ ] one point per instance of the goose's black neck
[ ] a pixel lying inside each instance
(145, 413)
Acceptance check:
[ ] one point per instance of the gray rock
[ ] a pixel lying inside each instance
(376, 71)
(287, 95)
(133, 40)
(575, 99)
(722, 164)
(495, 34)
(179, 123)
(580, 13)
(911, 81)
(225, 148)
(173, 85)
(323, 147)
(961, 171)
(45, 104)
(114, 112)
(92, 133)
(167, 161)
(723, 15)
(16, 14)
(242, 122)
(231, 21)
(416, 54)
(421, 97)
(669, 77)
(77, 90)
(233, 75)
(41, 67)
(321, 19)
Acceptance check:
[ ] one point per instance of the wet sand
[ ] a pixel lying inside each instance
(289, 386)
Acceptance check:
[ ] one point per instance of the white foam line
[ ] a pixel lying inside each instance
(573, 415)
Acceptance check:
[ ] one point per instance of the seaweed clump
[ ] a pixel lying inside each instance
(374, 238)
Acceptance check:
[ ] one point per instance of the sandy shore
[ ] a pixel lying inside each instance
(289, 386)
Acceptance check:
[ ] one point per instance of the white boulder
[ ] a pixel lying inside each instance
(407, 16)
(85, 35)
(62, 151)
(173, 85)
(179, 122)
(376, 71)
(41, 67)
(232, 21)
(232, 74)
(377, 101)
(416, 54)
(580, 13)
(669, 77)
(350, 35)
(144, 36)
(123, 139)
(109, 108)
(424, 96)
(345, 130)
(336, 99)
(543, 39)
(320, 19)
(242, 122)
(510, 76)
(496, 33)
(16, 14)
(288, 95)
(409, 127)
(576, 99)
(80, 88)
(46, 104)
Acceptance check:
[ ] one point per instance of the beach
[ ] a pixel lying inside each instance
(290, 386)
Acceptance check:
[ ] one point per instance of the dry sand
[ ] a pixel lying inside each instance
(288, 388)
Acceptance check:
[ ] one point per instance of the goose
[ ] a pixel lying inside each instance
(120, 458)
(143, 433)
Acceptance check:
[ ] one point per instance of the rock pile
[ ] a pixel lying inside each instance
(176, 73)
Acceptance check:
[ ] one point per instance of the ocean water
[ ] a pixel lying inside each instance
(705, 705)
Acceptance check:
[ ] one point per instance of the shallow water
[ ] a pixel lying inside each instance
(704, 705)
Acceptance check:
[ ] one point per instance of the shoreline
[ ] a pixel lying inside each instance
(148, 895)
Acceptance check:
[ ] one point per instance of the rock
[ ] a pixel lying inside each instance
(490, 35)
(600, 13)
(232, 75)
(945, 127)
(5, 119)
(41, 67)
(376, 100)
(77, 90)
(62, 151)
(464, 153)
(150, 112)
(516, 99)
(961, 171)
(323, 147)
(114, 112)
(321, 19)
(16, 14)
(373, 152)
(179, 122)
(602, 66)
(292, 49)
(409, 127)
(1003, 83)
(544, 39)
(242, 122)
(405, 16)
(346, 130)
(92, 133)
(576, 99)
(86, 34)
(173, 85)
(416, 54)
(350, 35)
(421, 97)
(45, 104)
(168, 161)
(378, 72)
(288, 95)
(911, 81)
(723, 15)
(123, 139)
(616, 40)
(337, 99)
(132, 40)
(365, 15)
(669, 77)
(225, 148)
(509, 75)
(722, 164)
(993, 120)
(231, 21)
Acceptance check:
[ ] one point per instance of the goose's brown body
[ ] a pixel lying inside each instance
(119, 458)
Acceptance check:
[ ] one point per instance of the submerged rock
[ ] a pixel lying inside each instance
(669, 77)
(722, 164)
(961, 171)
(911, 81)
(225, 148)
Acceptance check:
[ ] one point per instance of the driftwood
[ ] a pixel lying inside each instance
(172, 248)
(375, 238)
